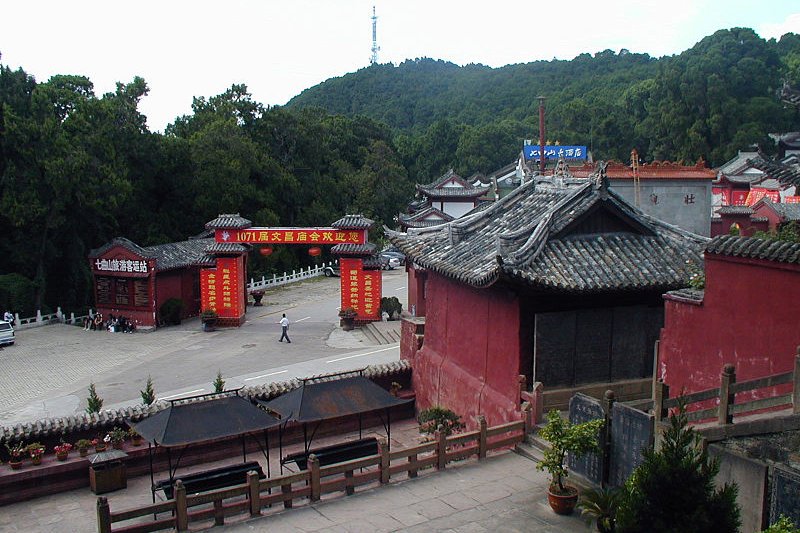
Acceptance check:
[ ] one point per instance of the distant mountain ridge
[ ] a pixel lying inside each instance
(709, 101)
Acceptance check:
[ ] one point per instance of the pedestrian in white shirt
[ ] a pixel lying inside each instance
(285, 327)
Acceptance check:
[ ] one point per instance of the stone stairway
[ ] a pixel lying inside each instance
(382, 332)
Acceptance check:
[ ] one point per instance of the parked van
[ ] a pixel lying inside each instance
(6, 333)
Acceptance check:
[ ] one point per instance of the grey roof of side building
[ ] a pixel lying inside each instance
(167, 256)
(787, 211)
(355, 249)
(735, 210)
(755, 248)
(785, 174)
(533, 236)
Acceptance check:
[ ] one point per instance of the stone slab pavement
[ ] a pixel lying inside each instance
(503, 493)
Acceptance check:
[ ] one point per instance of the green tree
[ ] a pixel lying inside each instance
(674, 489)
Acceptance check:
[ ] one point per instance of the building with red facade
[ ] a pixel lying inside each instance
(556, 282)
(135, 281)
(748, 315)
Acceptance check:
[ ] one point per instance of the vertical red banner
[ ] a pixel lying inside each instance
(350, 271)
(208, 289)
(372, 294)
(231, 287)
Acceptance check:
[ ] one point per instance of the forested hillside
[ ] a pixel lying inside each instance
(710, 101)
(78, 169)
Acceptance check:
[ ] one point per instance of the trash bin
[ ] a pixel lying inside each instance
(107, 471)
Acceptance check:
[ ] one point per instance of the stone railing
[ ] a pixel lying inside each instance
(296, 275)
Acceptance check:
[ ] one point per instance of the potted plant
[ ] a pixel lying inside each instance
(257, 296)
(99, 444)
(83, 447)
(600, 506)
(16, 454)
(136, 439)
(209, 318)
(565, 438)
(62, 450)
(36, 451)
(117, 436)
(348, 316)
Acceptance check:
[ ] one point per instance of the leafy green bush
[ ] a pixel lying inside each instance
(171, 311)
(674, 489)
(565, 437)
(433, 417)
(18, 294)
(783, 525)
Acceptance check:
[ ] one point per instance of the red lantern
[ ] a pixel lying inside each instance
(314, 251)
(266, 251)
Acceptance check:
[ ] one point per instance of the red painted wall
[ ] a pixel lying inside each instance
(750, 317)
(170, 285)
(469, 360)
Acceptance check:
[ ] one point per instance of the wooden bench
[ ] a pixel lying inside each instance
(215, 478)
(336, 453)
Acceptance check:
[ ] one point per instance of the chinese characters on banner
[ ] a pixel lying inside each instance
(291, 236)
(531, 151)
(222, 288)
(739, 197)
(757, 193)
(791, 200)
(120, 265)
(361, 289)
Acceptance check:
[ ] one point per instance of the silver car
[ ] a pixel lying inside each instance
(6, 333)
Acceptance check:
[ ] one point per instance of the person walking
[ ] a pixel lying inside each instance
(285, 328)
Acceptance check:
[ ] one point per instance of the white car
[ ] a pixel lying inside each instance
(6, 333)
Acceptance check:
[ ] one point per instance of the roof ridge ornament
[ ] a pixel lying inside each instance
(601, 181)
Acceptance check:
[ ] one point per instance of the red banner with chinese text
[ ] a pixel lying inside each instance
(725, 193)
(291, 236)
(361, 289)
(739, 197)
(757, 193)
(222, 288)
(791, 200)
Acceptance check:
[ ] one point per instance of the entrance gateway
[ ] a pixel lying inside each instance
(223, 287)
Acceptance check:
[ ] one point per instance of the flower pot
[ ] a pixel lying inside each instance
(62, 456)
(100, 448)
(15, 465)
(37, 460)
(563, 503)
(117, 445)
(136, 441)
(83, 452)
(348, 324)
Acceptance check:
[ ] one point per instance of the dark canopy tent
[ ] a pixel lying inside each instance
(202, 419)
(326, 400)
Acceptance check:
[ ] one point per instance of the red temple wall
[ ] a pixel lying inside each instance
(469, 361)
(750, 317)
(170, 285)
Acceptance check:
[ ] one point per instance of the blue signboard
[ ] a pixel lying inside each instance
(531, 151)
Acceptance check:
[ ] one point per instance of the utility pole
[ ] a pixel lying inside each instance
(375, 48)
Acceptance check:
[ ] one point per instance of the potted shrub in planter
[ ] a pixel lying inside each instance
(62, 451)
(100, 445)
(83, 447)
(348, 316)
(209, 318)
(117, 436)
(36, 451)
(136, 439)
(257, 296)
(16, 453)
(565, 437)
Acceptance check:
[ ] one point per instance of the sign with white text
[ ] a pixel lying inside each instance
(531, 151)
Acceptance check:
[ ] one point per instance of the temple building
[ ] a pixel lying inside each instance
(443, 200)
(558, 282)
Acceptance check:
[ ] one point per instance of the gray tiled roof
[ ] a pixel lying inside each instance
(736, 210)
(354, 249)
(437, 189)
(542, 236)
(755, 248)
(787, 211)
(423, 213)
(226, 247)
(168, 256)
(229, 221)
(353, 222)
(785, 174)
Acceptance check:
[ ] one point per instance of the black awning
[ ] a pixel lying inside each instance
(313, 402)
(201, 421)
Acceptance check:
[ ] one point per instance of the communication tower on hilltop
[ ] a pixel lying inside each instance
(375, 48)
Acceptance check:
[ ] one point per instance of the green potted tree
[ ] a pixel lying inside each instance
(209, 318)
(565, 438)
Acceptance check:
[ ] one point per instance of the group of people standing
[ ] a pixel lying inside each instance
(114, 324)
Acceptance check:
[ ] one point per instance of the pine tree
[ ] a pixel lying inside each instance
(148, 394)
(674, 490)
(219, 383)
(94, 402)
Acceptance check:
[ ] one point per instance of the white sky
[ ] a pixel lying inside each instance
(279, 48)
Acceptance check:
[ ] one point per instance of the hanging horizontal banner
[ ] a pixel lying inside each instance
(531, 151)
(290, 236)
